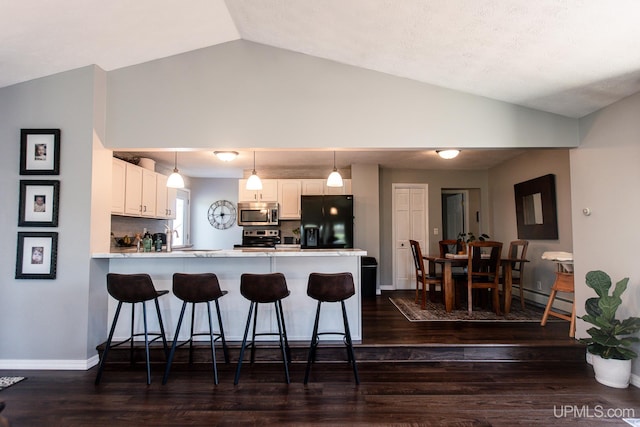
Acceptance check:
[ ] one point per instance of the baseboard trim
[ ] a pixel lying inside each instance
(635, 380)
(51, 365)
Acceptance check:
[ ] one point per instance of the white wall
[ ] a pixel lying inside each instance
(245, 95)
(50, 323)
(203, 193)
(605, 177)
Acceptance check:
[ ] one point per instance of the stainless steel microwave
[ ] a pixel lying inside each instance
(258, 213)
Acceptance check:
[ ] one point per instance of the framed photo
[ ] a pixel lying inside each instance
(37, 255)
(40, 152)
(39, 203)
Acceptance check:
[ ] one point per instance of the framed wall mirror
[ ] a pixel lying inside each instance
(536, 214)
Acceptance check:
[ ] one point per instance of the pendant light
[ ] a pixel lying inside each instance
(175, 179)
(254, 183)
(334, 179)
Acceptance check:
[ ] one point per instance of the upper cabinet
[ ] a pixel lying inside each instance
(318, 187)
(289, 198)
(269, 192)
(165, 198)
(313, 187)
(118, 174)
(140, 192)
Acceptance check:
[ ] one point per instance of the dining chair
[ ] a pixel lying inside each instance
(483, 271)
(423, 278)
(517, 250)
(459, 275)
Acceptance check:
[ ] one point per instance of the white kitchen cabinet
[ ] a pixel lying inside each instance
(165, 198)
(118, 176)
(140, 191)
(289, 198)
(345, 189)
(313, 187)
(133, 190)
(269, 192)
(149, 186)
(318, 187)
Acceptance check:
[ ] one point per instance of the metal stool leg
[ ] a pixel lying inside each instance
(146, 343)
(174, 345)
(253, 335)
(284, 331)
(244, 345)
(106, 349)
(282, 337)
(224, 341)
(213, 349)
(164, 336)
(347, 334)
(313, 346)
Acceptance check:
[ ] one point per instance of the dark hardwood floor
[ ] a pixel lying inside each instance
(534, 391)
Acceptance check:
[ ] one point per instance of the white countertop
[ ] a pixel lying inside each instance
(234, 253)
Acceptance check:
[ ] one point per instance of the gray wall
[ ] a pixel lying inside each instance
(50, 323)
(533, 164)
(605, 177)
(437, 180)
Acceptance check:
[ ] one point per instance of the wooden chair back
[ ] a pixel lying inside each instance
(448, 247)
(484, 272)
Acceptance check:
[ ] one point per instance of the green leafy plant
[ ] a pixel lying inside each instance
(610, 337)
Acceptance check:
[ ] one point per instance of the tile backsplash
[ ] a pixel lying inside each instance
(124, 225)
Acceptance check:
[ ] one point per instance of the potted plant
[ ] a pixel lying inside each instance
(466, 238)
(610, 337)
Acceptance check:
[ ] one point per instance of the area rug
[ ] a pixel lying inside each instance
(435, 312)
(9, 381)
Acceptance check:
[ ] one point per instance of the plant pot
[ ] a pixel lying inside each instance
(612, 372)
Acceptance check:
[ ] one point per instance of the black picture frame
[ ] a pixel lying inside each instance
(39, 203)
(536, 213)
(37, 255)
(39, 151)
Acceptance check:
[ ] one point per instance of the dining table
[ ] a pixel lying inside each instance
(449, 261)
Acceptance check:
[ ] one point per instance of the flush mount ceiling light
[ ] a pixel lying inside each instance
(175, 179)
(226, 156)
(334, 179)
(254, 183)
(448, 154)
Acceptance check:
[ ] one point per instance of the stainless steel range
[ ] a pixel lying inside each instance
(257, 238)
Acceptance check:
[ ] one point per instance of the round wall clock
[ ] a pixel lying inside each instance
(222, 214)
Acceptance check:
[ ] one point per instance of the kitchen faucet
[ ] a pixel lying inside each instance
(169, 232)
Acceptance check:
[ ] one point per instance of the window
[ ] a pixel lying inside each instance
(181, 223)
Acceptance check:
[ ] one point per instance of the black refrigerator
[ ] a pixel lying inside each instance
(326, 222)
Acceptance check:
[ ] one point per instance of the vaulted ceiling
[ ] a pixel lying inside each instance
(569, 57)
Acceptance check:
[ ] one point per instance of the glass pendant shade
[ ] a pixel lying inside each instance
(334, 179)
(175, 180)
(254, 182)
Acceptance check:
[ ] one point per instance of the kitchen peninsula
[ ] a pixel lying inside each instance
(228, 265)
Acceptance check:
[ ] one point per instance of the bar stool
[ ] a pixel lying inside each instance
(133, 288)
(264, 288)
(563, 283)
(336, 287)
(198, 288)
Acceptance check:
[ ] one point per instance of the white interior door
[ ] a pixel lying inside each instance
(410, 223)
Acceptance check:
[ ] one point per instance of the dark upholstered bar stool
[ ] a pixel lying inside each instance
(335, 287)
(133, 288)
(198, 288)
(264, 288)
